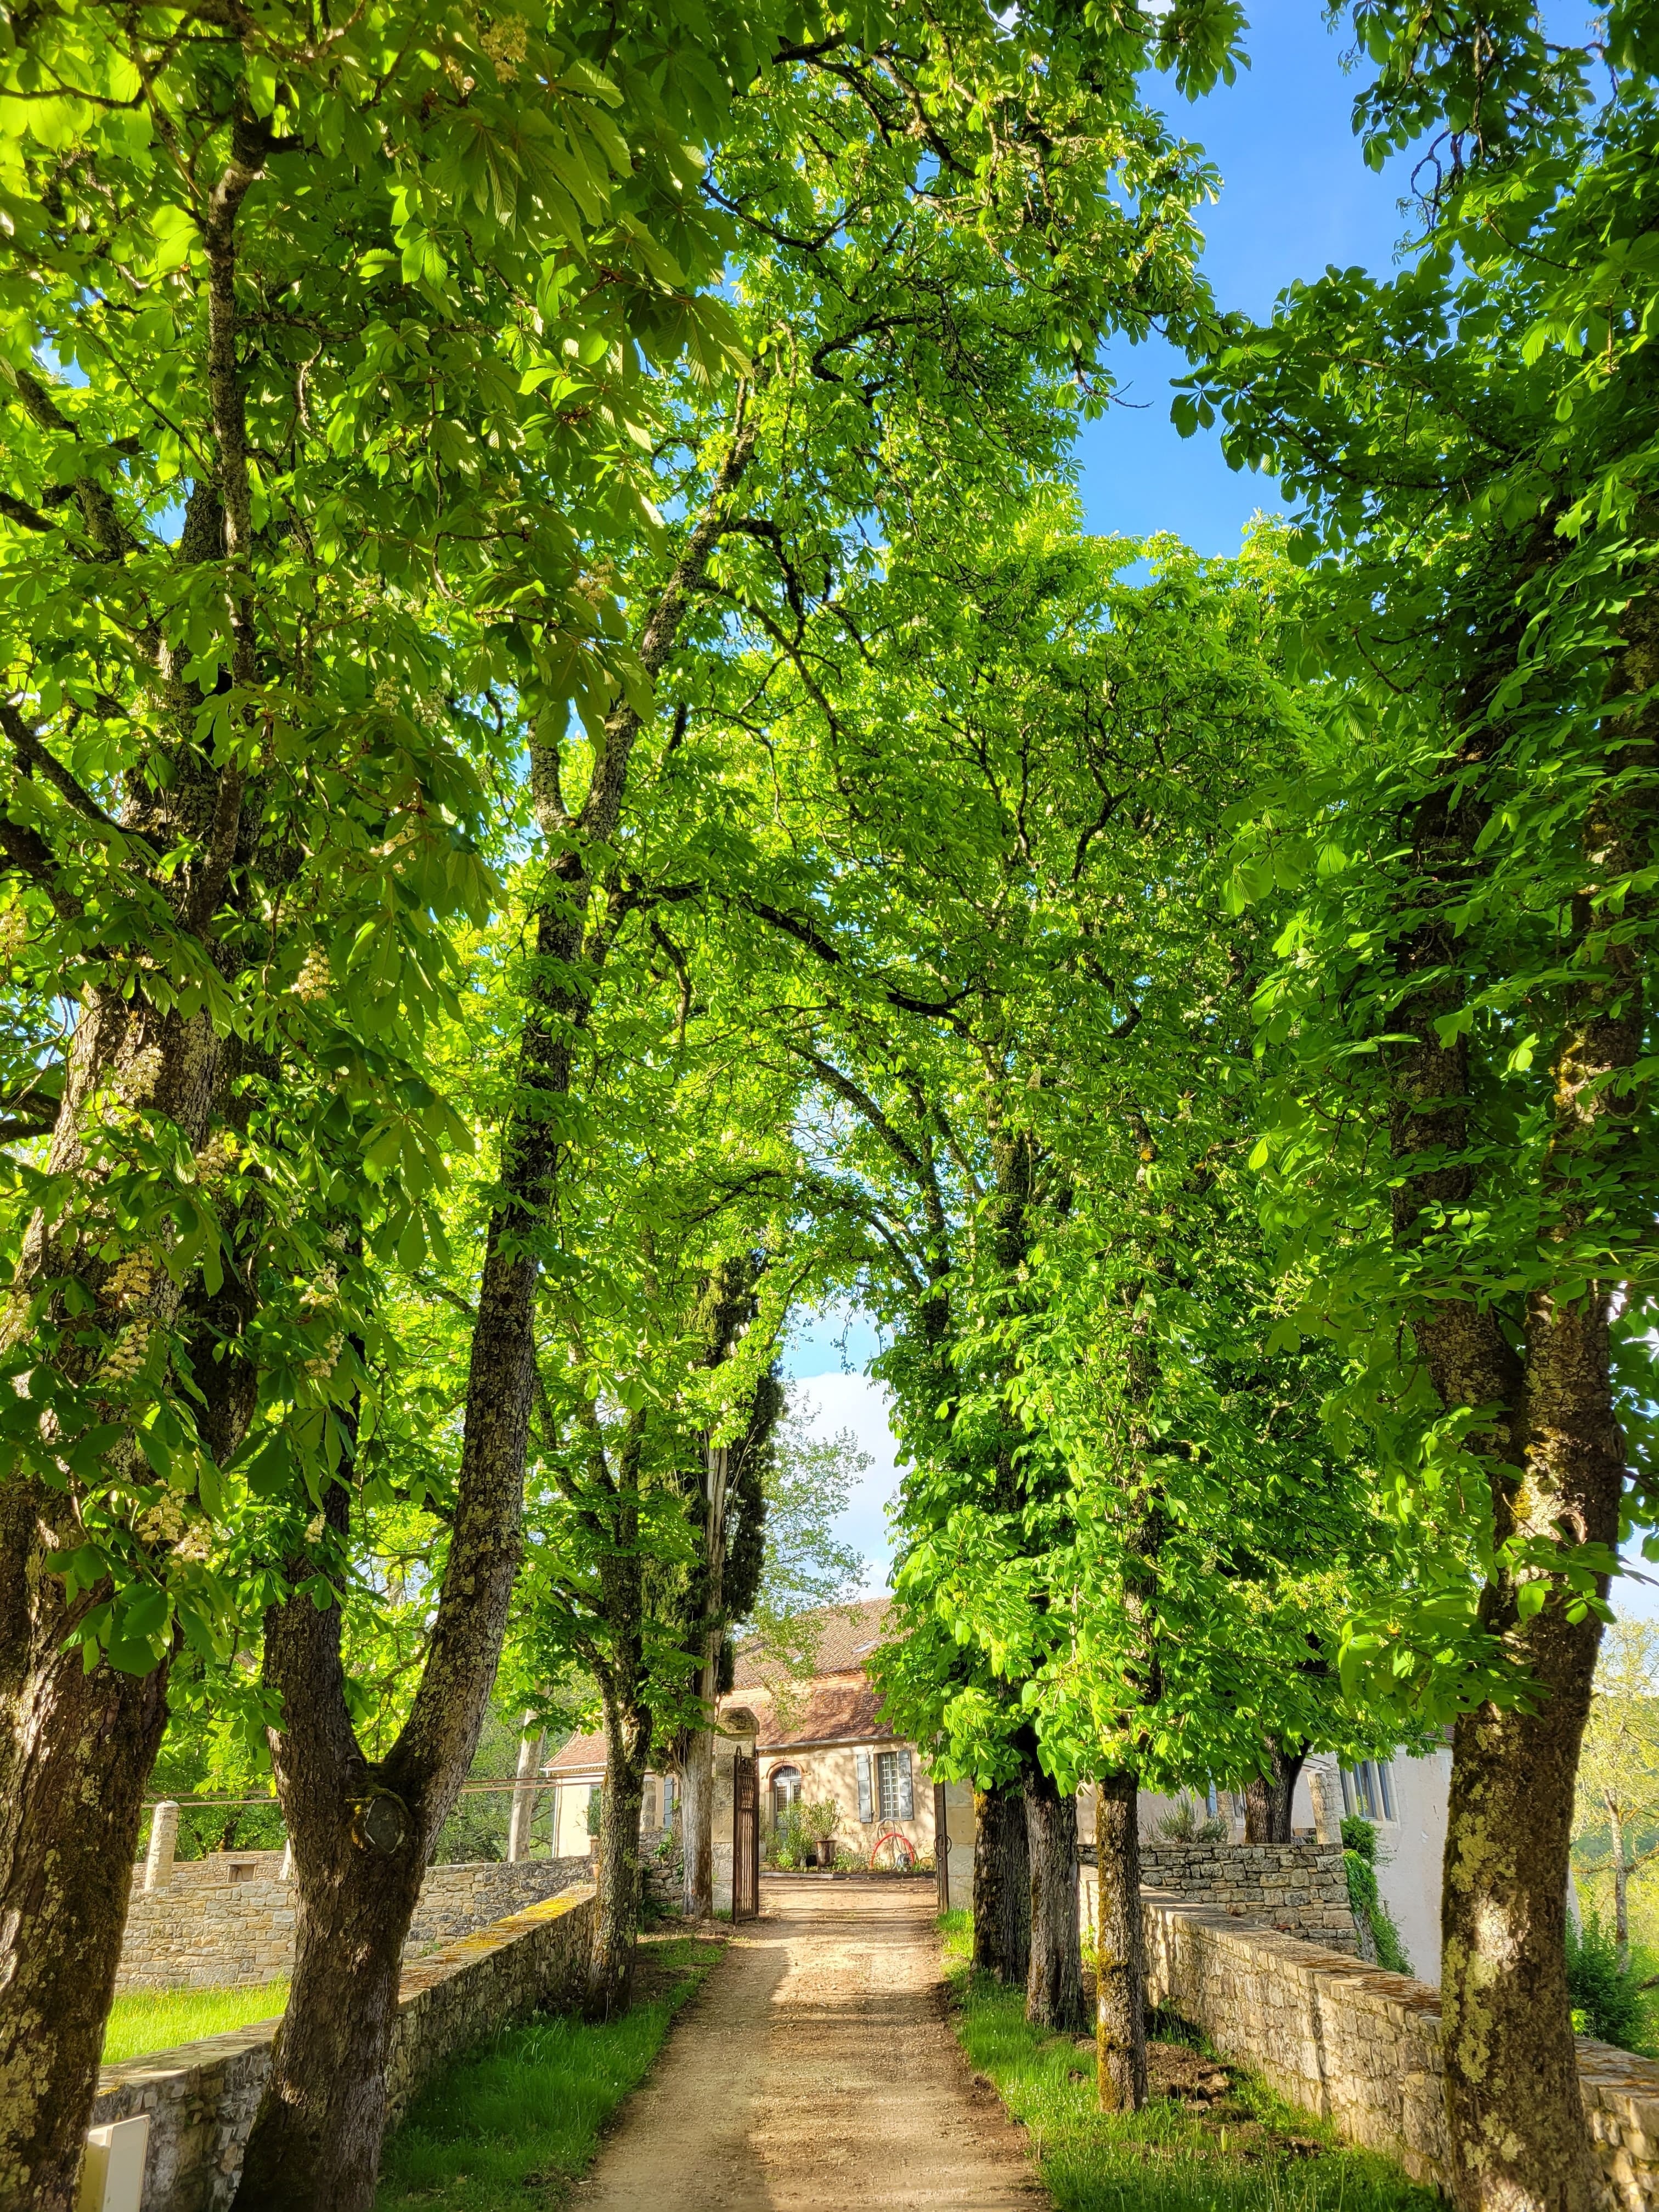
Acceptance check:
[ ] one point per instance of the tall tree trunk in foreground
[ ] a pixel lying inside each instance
(77, 1748)
(1551, 1447)
(68, 1828)
(1120, 1957)
(616, 1921)
(363, 1833)
(1002, 1884)
(1054, 1984)
(316, 2139)
(1269, 1797)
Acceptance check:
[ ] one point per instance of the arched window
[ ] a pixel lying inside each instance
(785, 1785)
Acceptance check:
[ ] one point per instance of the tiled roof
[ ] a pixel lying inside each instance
(839, 1638)
(581, 1755)
(833, 1712)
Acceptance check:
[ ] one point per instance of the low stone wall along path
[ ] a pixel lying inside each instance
(817, 2073)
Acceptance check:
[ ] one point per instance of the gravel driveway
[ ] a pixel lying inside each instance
(816, 2069)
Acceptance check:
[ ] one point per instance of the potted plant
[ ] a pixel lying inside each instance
(818, 1823)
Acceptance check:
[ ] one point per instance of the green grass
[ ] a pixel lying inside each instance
(160, 2019)
(527, 2110)
(1252, 2154)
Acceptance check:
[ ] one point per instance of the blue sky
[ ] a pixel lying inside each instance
(1296, 196)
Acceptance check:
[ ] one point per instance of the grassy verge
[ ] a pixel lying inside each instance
(1215, 2141)
(526, 2113)
(160, 2019)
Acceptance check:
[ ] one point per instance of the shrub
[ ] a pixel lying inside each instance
(1606, 1998)
(789, 1845)
(1184, 1826)
(1379, 1938)
(819, 1821)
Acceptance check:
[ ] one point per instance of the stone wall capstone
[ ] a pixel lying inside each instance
(1300, 1888)
(202, 2098)
(1361, 2047)
(207, 1930)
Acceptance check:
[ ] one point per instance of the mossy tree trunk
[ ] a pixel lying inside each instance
(1121, 1952)
(1054, 1982)
(1548, 1436)
(1002, 1884)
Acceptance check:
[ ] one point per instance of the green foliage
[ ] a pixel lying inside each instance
(1607, 1994)
(1379, 1936)
(1185, 1825)
(1359, 1837)
(1166, 2158)
(529, 2108)
(820, 1819)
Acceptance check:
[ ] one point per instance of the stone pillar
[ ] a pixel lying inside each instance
(163, 1842)
(1326, 1790)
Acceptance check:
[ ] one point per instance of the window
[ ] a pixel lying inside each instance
(785, 1789)
(1368, 1789)
(887, 1784)
(893, 1793)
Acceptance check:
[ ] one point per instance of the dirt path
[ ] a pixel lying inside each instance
(816, 2069)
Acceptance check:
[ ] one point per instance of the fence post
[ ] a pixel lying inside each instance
(163, 1842)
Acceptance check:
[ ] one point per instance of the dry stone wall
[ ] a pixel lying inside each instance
(202, 2098)
(205, 1929)
(1299, 1889)
(1361, 2047)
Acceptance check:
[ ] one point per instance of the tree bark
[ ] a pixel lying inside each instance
(1121, 1953)
(1268, 1797)
(1620, 1878)
(362, 1834)
(1002, 1884)
(69, 1830)
(699, 1815)
(617, 1919)
(1053, 1982)
(77, 1748)
(1551, 1448)
(696, 1823)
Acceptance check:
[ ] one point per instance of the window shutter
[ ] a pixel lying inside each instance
(866, 1803)
(907, 1810)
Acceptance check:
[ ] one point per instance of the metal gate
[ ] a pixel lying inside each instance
(745, 1837)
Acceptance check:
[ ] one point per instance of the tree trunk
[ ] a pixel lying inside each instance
(616, 1920)
(531, 1751)
(1552, 1450)
(1054, 1982)
(69, 1830)
(1002, 1884)
(1120, 1956)
(1518, 2132)
(316, 2141)
(697, 1819)
(1620, 1879)
(1268, 1797)
(77, 1748)
(363, 1833)
(699, 1834)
